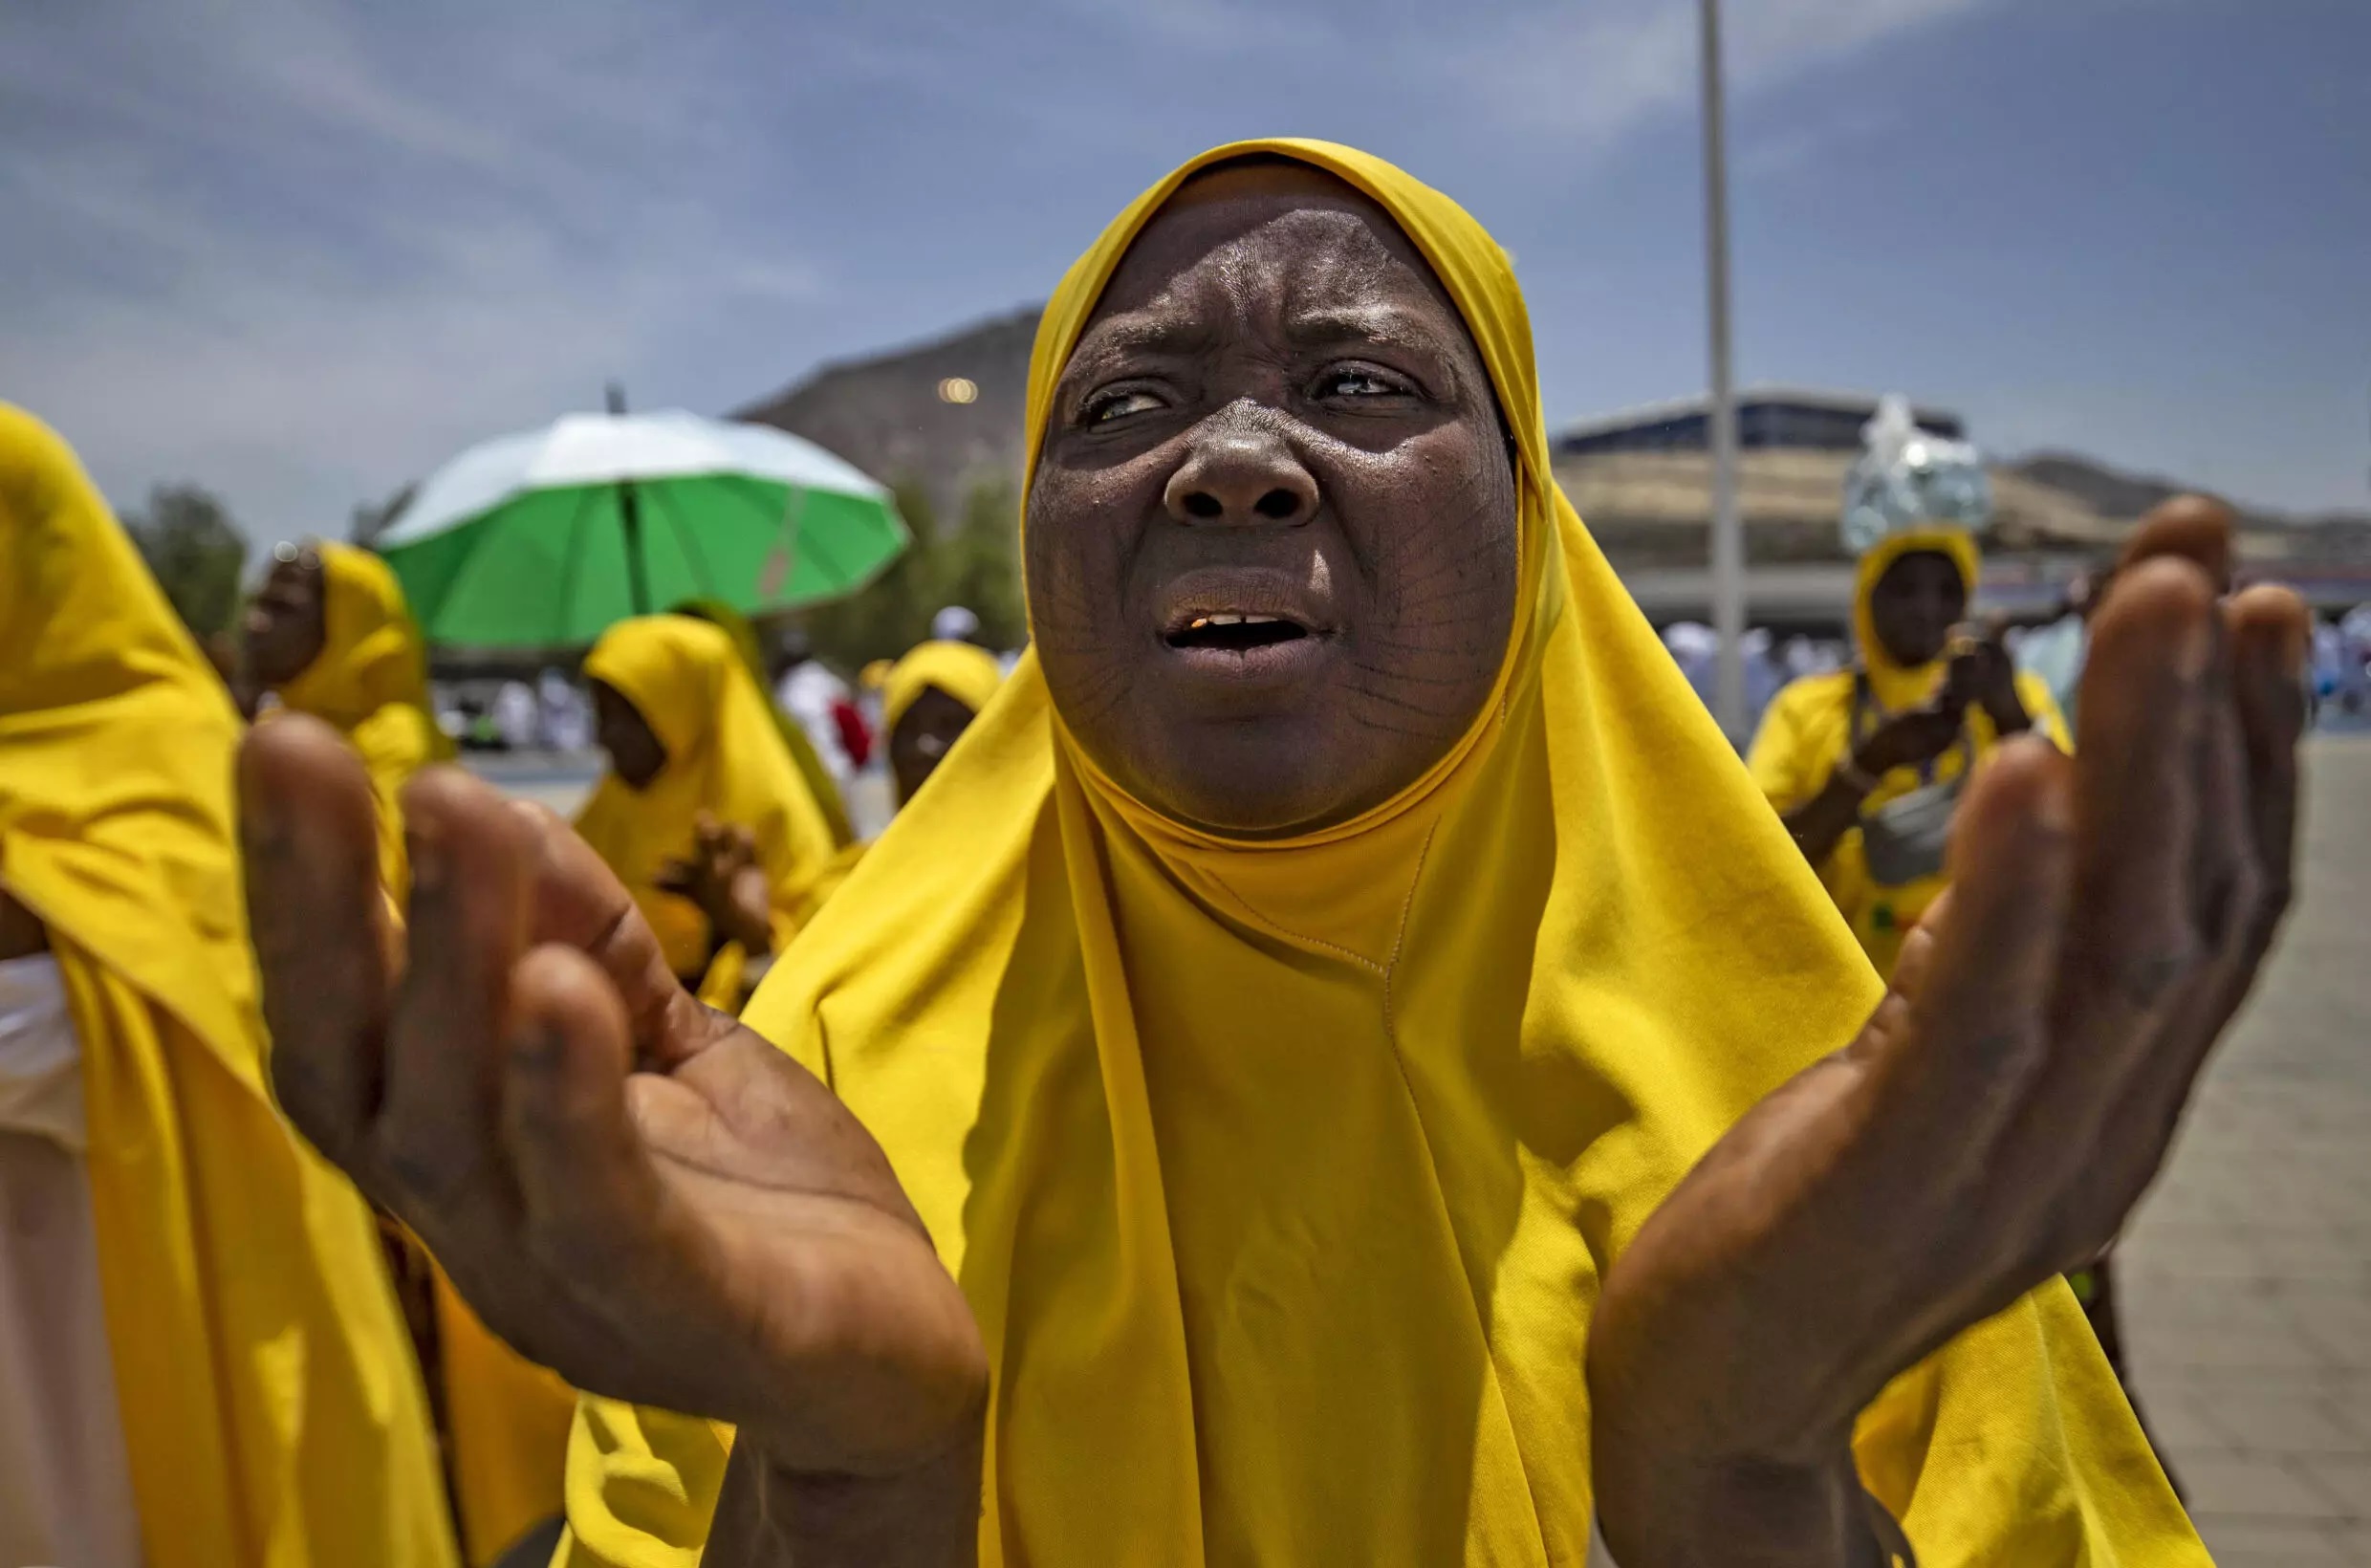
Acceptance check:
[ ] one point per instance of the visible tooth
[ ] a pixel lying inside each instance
(1198, 622)
(1261, 620)
(1228, 620)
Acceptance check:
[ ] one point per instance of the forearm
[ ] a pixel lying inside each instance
(768, 1518)
(1817, 823)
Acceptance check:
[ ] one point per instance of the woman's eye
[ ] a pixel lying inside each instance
(1105, 407)
(1354, 383)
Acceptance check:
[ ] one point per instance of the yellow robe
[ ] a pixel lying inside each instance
(506, 1418)
(271, 1409)
(1807, 730)
(725, 757)
(1281, 1176)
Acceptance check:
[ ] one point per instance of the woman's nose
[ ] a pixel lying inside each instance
(1240, 469)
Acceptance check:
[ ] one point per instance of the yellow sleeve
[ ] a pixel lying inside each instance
(641, 1486)
(2043, 709)
(2015, 1444)
(1780, 759)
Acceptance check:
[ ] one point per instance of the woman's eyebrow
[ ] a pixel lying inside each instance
(1171, 336)
(1378, 323)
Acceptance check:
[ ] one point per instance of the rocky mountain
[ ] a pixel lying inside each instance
(891, 414)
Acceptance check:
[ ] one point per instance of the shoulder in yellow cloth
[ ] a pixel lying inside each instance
(271, 1406)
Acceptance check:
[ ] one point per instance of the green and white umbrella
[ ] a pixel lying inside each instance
(548, 537)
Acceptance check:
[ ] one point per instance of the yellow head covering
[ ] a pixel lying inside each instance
(1808, 730)
(724, 757)
(966, 673)
(1897, 685)
(370, 681)
(269, 1403)
(795, 738)
(1281, 1175)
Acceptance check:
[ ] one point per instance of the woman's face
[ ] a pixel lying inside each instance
(286, 623)
(1271, 537)
(637, 755)
(1914, 605)
(924, 733)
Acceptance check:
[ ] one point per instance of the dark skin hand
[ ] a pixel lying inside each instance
(628, 1186)
(1914, 608)
(658, 1203)
(2005, 1106)
(287, 621)
(722, 877)
(926, 732)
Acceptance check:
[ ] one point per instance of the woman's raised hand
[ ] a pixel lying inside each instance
(2006, 1103)
(629, 1188)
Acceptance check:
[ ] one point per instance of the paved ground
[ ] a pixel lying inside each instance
(2247, 1275)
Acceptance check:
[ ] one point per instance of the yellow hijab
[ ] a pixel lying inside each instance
(723, 756)
(1281, 1175)
(271, 1406)
(966, 673)
(1808, 730)
(370, 681)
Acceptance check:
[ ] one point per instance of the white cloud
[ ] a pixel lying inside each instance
(279, 255)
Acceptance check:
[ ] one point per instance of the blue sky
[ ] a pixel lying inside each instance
(300, 251)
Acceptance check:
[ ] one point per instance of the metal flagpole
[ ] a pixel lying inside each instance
(1729, 564)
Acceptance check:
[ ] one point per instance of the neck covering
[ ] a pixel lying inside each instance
(966, 673)
(370, 683)
(819, 780)
(1281, 1175)
(271, 1407)
(1809, 729)
(725, 756)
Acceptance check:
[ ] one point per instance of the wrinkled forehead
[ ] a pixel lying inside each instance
(1268, 243)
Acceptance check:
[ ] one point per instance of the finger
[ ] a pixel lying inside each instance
(590, 1199)
(2196, 527)
(1980, 1011)
(579, 902)
(2271, 630)
(2248, 803)
(468, 927)
(309, 832)
(2133, 954)
(1916, 959)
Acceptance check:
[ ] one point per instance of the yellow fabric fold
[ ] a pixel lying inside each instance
(272, 1409)
(723, 756)
(370, 683)
(1281, 1175)
(1807, 730)
(964, 672)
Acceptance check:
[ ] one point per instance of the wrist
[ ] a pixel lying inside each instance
(1664, 1511)
(925, 1517)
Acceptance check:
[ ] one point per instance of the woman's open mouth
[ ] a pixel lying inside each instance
(1235, 631)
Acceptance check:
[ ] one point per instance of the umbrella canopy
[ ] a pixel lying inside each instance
(548, 537)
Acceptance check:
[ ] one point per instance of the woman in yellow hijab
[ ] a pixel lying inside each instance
(265, 1405)
(1867, 763)
(1298, 1017)
(927, 700)
(329, 632)
(702, 812)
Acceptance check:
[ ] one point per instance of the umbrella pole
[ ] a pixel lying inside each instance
(630, 515)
